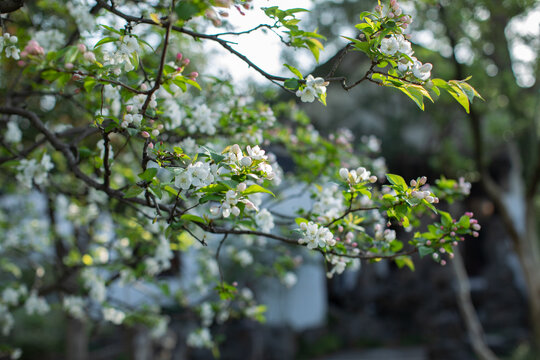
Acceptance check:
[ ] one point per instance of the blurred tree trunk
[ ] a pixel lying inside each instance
(468, 312)
(524, 238)
(76, 340)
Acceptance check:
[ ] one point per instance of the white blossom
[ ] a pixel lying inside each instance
(389, 46)
(36, 305)
(316, 236)
(200, 338)
(113, 315)
(264, 220)
(74, 306)
(422, 71)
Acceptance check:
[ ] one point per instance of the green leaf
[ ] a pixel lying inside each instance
(214, 188)
(294, 70)
(252, 189)
(111, 29)
(404, 260)
(416, 96)
(396, 245)
(300, 220)
(148, 174)
(397, 180)
(292, 84)
(424, 250)
(133, 191)
(89, 84)
(105, 40)
(191, 217)
(446, 218)
(315, 47)
(464, 222)
(185, 10)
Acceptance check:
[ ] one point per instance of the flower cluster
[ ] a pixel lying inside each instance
(129, 46)
(32, 171)
(398, 46)
(7, 43)
(357, 176)
(316, 236)
(197, 175)
(314, 88)
(255, 155)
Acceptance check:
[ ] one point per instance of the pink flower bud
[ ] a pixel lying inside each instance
(475, 234)
(469, 214)
(235, 283)
(413, 183)
(144, 87)
(378, 9)
(340, 228)
(155, 132)
(129, 108)
(428, 242)
(443, 241)
(372, 179)
(81, 48)
(145, 134)
(89, 56)
(454, 243)
(443, 262)
(21, 63)
(151, 145)
(452, 234)
(442, 250)
(186, 62)
(179, 57)
(423, 180)
(160, 127)
(393, 3)
(69, 66)
(354, 244)
(76, 77)
(451, 255)
(193, 75)
(476, 227)
(391, 15)
(241, 187)
(442, 227)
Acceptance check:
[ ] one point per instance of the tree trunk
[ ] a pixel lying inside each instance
(76, 340)
(468, 313)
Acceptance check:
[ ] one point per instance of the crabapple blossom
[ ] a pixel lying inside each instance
(316, 236)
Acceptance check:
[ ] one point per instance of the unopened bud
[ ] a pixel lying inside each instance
(81, 48)
(151, 145)
(475, 234)
(179, 57)
(186, 62)
(145, 134)
(235, 211)
(69, 66)
(241, 187)
(246, 161)
(443, 262)
(372, 179)
(155, 132)
(193, 75)
(422, 181)
(413, 183)
(476, 226)
(144, 87)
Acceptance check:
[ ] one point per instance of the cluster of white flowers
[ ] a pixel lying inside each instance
(7, 43)
(32, 171)
(13, 134)
(74, 306)
(206, 313)
(385, 235)
(50, 40)
(161, 259)
(79, 10)
(463, 186)
(329, 204)
(313, 89)
(238, 160)
(357, 176)
(243, 257)
(229, 204)
(197, 175)
(122, 57)
(202, 120)
(95, 285)
(36, 305)
(201, 338)
(11, 296)
(316, 236)
(340, 263)
(6, 320)
(397, 44)
(289, 279)
(113, 315)
(427, 195)
(264, 220)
